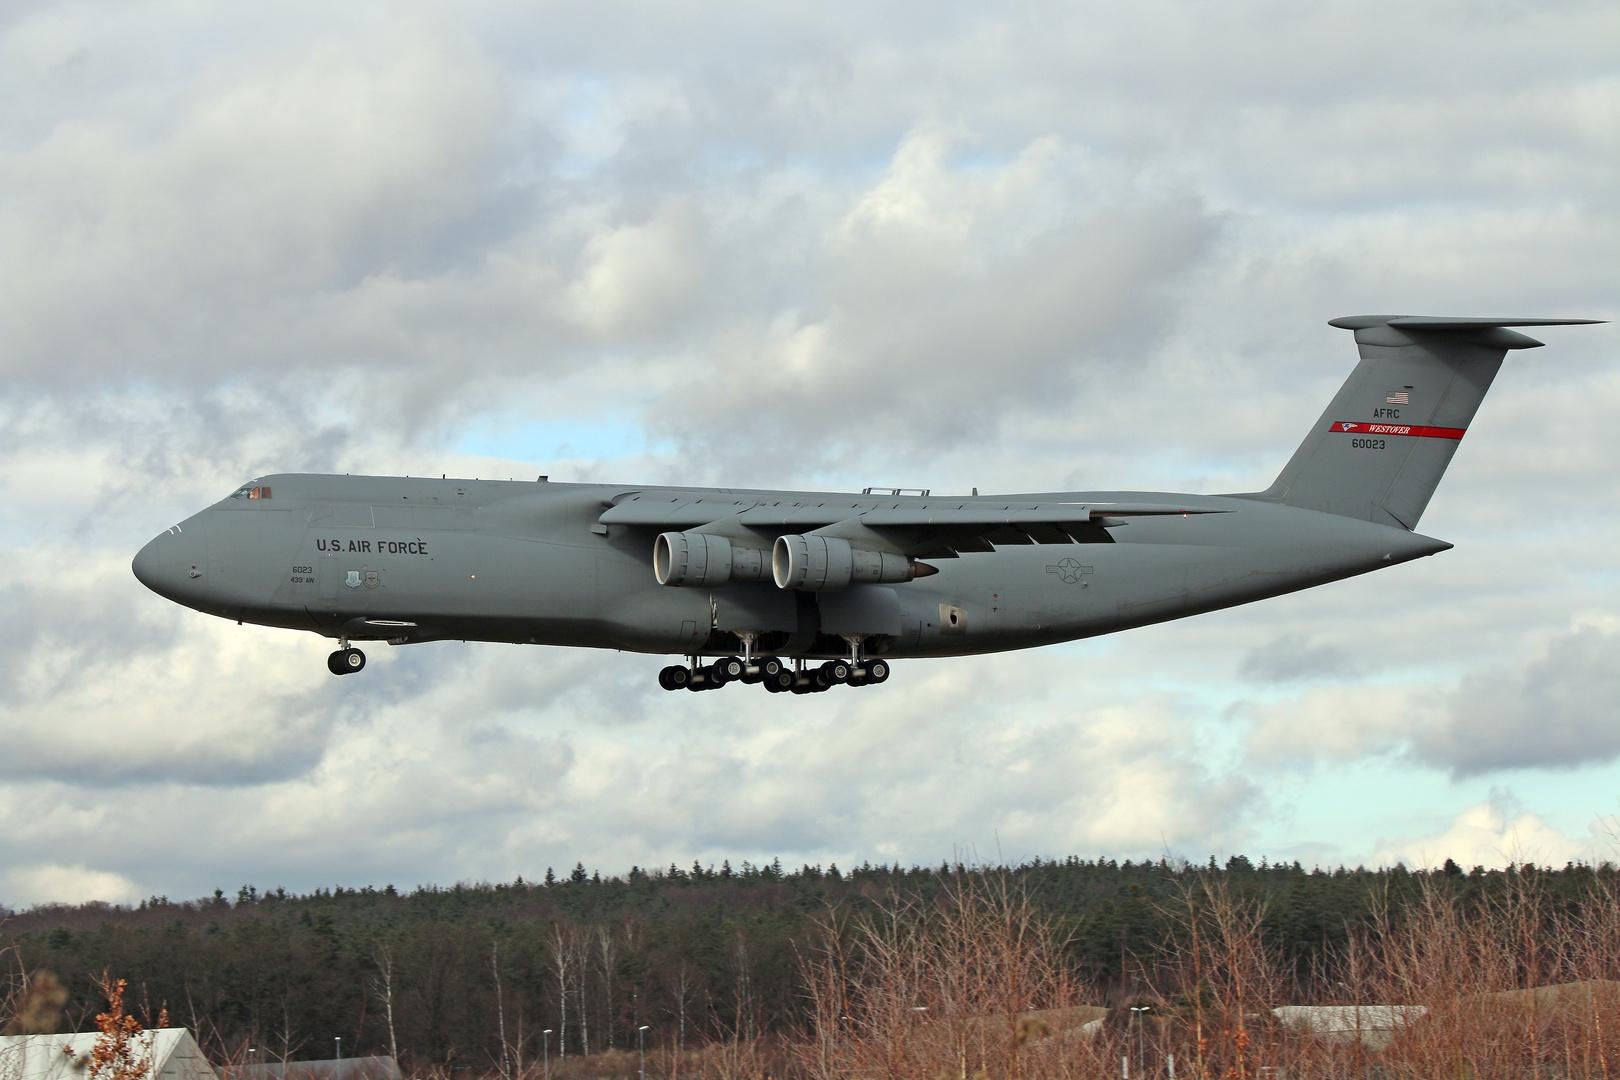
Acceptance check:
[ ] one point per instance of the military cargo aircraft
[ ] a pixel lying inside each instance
(803, 591)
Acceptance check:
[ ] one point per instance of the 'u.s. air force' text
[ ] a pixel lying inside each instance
(417, 546)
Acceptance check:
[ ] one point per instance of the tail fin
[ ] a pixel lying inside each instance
(1380, 449)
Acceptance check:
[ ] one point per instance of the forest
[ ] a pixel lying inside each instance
(805, 971)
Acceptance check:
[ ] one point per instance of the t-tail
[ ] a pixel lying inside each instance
(1382, 445)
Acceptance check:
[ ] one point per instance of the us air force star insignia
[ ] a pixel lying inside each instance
(353, 579)
(1070, 571)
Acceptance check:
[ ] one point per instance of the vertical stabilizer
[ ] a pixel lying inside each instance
(1382, 445)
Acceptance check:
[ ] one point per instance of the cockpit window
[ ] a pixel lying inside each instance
(251, 492)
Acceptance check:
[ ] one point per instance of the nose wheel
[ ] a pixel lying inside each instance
(346, 661)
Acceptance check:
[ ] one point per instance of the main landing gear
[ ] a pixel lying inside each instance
(346, 661)
(774, 674)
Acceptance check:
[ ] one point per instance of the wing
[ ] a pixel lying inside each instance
(919, 527)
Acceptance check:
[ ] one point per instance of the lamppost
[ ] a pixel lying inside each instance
(337, 1047)
(1139, 1010)
(641, 1048)
(545, 1050)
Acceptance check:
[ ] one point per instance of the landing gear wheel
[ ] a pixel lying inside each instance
(346, 661)
(877, 671)
(836, 671)
(779, 681)
(674, 677)
(725, 670)
(770, 667)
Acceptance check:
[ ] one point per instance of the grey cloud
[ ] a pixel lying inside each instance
(1294, 657)
(1560, 711)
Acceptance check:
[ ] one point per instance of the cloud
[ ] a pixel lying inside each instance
(1555, 712)
(1294, 658)
(1484, 835)
(94, 678)
(53, 883)
(1559, 711)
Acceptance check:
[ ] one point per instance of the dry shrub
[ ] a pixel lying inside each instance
(1216, 981)
(119, 1052)
(1517, 986)
(1509, 983)
(973, 984)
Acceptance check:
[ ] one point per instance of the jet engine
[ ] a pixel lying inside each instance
(817, 563)
(701, 560)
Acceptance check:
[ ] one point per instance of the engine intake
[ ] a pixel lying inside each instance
(699, 560)
(815, 563)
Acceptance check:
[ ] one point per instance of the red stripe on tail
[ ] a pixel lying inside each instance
(1346, 426)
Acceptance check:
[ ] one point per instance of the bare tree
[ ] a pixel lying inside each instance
(607, 957)
(569, 954)
(500, 1007)
(382, 988)
(683, 985)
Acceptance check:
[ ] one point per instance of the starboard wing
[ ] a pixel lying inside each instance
(921, 527)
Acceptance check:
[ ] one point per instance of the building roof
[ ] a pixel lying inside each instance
(172, 1051)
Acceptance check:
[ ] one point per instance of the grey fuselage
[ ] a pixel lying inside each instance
(408, 559)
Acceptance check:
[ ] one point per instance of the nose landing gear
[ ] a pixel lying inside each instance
(346, 661)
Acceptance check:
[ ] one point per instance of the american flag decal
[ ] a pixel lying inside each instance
(1398, 397)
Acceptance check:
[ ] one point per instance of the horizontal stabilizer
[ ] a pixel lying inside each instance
(1398, 330)
(1432, 322)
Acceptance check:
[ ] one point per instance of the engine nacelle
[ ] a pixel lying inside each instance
(817, 563)
(699, 560)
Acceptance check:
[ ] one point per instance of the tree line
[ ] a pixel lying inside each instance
(492, 976)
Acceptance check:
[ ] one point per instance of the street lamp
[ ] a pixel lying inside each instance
(545, 1050)
(337, 1046)
(1139, 1010)
(641, 1048)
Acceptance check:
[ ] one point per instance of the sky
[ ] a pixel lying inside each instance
(1020, 247)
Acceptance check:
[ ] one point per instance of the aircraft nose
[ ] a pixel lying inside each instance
(174, 563)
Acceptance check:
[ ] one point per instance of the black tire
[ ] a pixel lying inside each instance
(779, 682)
(770, 665)
(836, 671)
(877, 671)
(679, 677)
(730, 669)
(346, 661)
